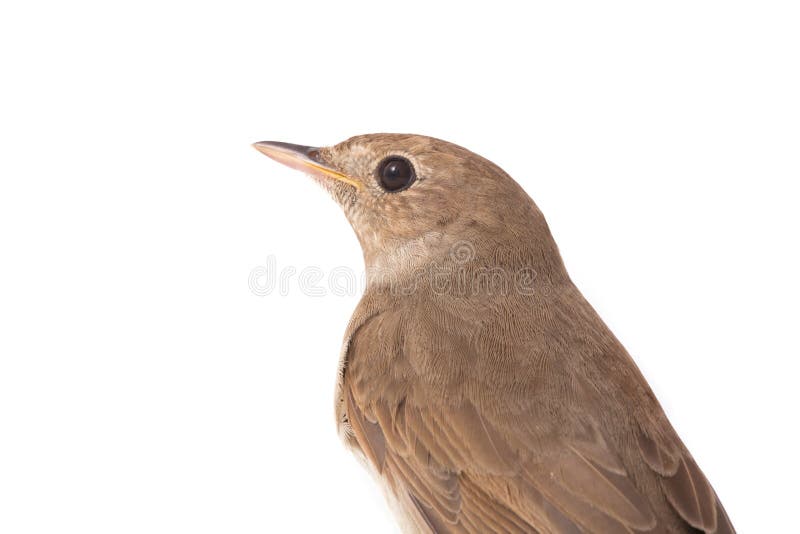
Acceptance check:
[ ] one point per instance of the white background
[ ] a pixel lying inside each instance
(145, 388)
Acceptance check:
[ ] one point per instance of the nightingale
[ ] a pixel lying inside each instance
(475, 381)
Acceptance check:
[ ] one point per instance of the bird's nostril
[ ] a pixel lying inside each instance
(313, 154)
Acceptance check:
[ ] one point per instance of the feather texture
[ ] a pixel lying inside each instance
(548, 451)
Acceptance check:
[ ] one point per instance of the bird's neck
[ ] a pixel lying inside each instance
(449, 263)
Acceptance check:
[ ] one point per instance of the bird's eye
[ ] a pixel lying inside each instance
(395, 174)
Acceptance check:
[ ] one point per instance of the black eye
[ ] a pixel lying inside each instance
(395, 173)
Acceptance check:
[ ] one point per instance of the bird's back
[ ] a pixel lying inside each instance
(514, 413)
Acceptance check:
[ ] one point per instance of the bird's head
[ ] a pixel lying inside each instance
(413, 200)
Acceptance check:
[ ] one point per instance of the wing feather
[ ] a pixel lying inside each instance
(467, 464)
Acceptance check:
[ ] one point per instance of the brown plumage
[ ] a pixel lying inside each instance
(476, 381)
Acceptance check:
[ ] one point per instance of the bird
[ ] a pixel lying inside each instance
(475, 381)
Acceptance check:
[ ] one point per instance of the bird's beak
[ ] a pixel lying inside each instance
(302, 158)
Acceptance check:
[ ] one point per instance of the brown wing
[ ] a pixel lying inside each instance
(473, 441)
